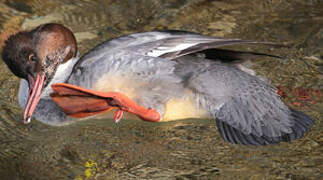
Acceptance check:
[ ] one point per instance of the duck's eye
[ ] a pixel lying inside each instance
(32, 58)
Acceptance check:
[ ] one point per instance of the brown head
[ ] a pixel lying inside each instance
(35, 55)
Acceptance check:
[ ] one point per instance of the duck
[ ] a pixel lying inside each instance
(154, 76)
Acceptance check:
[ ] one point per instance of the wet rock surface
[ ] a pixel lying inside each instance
(192, 149)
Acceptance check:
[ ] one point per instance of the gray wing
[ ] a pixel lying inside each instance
(167, 44)
(172, 44)
(247, 109)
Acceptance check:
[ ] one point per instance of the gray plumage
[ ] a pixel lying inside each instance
(247, 109)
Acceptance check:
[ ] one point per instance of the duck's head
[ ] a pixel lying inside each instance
(35, 55)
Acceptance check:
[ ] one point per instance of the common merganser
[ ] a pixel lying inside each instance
(157, 76)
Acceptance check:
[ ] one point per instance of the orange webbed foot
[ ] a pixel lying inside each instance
(79, 102)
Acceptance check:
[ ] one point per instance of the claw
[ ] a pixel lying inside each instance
(118, 115)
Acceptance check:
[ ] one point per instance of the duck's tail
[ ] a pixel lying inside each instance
(302, 124)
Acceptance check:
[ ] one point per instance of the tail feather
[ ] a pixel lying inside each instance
(302, 124)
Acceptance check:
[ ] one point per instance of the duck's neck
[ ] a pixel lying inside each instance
(62, 73)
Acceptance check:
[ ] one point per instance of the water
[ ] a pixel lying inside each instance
(192, 149)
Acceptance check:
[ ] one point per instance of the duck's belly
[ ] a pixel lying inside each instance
(175, 108)
(183, 108)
